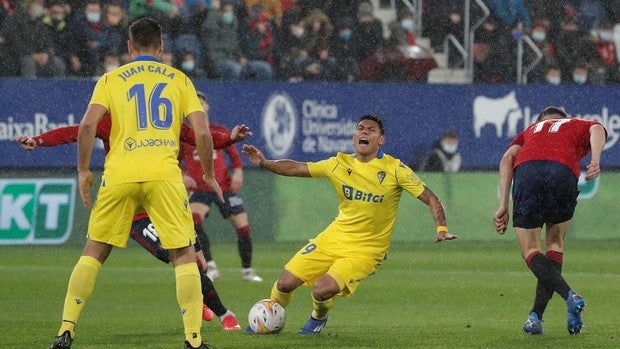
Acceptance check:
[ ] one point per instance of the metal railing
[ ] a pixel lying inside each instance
(522, 72)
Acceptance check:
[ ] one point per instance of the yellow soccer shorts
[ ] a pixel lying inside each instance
(314, 260)
(165, 202)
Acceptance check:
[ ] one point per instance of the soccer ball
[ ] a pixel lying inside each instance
(266, 317)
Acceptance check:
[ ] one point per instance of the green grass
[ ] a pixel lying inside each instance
(456, 295)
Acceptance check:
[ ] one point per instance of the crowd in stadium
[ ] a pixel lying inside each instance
(318, 40)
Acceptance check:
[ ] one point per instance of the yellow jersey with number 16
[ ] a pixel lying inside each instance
(147, 101)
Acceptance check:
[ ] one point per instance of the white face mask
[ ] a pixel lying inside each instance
(554, 80)
(188, 65)
(580, 79)
(539, 36)
(298, 31)
(38, 11)
(93, 17)
(109, 68)
(449, 148)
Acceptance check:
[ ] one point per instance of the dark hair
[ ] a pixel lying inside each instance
(450, 134)
(551, 111)
(375, 118)
(145, 33)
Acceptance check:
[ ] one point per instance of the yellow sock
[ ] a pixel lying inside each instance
(189, 297)
(320, 308)
(81, 285)
(280, 297)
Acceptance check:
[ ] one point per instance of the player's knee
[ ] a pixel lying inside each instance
(243, 232)
(197, 218)
(325, 288)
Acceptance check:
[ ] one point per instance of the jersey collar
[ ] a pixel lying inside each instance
(146, 58)
(379, 154)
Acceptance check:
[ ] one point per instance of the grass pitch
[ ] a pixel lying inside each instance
(425, 295)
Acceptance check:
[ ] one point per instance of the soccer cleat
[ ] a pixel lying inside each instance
(63, 341)
(230, 323)
(313, 326)
(249, 274)
(207, 313)
(533, 325)
(574, 306)
(212, 272)
(202, 346)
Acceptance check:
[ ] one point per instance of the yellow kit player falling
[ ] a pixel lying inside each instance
(369, 184)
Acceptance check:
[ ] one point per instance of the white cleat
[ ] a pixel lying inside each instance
(249, 274)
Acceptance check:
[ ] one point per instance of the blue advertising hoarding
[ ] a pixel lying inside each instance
(311, 121)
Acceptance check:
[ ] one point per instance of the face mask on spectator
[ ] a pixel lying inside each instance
(449, 148)
(345, 35)
(110, 67)
(188, 65)
(228, 17)
(580, 78)
(605, 36)
(407, 24)
(554, 80)
(539, 36)
(38, 11)
(298, 31)
(93, 17)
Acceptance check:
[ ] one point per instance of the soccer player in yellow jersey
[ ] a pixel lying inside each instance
(147, 101)
(369, 184)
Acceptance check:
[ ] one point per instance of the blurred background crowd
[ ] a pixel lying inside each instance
(318, 40)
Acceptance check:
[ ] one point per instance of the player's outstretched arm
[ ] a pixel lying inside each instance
(282, 167)
(439, 214)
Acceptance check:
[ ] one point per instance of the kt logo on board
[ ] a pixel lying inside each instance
(36, 211)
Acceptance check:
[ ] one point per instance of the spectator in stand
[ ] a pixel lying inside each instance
(59, 30)
(580, 74)
(446, 17)
(92, 37)
(551, 9)
(445, 156)
(291, 54)
(588, 13)
(541, 39)
(317, 29)
(494, 59)
(321, 66)
(111, 61)
(43, 64)
(116, 18)
(402, 30)
(553, 75)
(607, 63)
(189, 67)
(344, 52)
(192, 13)
(257, 43)
(573, 47)
(367, 36)
(19, 32)
(220, 33)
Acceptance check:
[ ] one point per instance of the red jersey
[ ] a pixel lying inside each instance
(220, 166)
(68, 134)
(565, 141)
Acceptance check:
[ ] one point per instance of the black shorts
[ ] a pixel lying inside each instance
(232, 205)
(543, 192)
